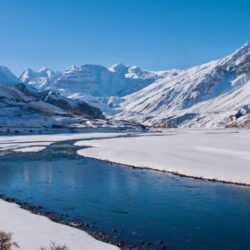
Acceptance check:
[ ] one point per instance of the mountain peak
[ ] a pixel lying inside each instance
(245, 49)
(6, 76)
(45, 69)
(28, 70)
(93, 67)
(239, 61)
(72, 68)
(119, 67)
(247, 44)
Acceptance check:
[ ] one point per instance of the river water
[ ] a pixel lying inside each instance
(150, 209)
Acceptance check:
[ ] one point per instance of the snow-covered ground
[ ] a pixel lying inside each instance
(31, 232)
(211, 154)
(32, 143)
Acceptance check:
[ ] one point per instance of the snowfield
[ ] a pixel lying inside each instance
(211, 154)
(30, 149)
(35, 143)
(31, 232)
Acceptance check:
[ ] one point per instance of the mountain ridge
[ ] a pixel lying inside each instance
(212, 94)
(117, 80)
(201, 96)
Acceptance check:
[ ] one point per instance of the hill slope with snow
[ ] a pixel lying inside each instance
(20, 107)
(25, 109)
(215, 94)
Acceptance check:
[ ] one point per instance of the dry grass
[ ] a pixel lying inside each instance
(53, 246)
(6, 241)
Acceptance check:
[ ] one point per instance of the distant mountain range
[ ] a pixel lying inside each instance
(215, 94)
(94, 80)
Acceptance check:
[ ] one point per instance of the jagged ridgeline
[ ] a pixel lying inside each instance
(215, 94)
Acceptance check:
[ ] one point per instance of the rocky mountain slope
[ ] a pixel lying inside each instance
(209, 95)
(19, 107)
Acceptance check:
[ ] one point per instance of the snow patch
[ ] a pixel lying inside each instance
(32, 232)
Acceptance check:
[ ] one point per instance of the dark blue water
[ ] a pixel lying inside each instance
(145, 205)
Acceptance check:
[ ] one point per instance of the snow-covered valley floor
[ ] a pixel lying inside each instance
(211, 154)
(222, 154)
(35, 143)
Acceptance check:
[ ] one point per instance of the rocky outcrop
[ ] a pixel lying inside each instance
(71, 106)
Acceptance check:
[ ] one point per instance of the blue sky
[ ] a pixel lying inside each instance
(154, 34)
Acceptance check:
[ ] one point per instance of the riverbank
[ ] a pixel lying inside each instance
(116, 200)
(36, 143)
(31, 231)
(216, 155)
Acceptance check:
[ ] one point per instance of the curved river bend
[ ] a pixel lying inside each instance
(147, 209)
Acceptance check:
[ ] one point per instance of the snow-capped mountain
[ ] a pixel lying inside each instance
(215, 94)
(41, 79)
(208, 95)
(6, 76)
(92, 80)
(25, 109)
